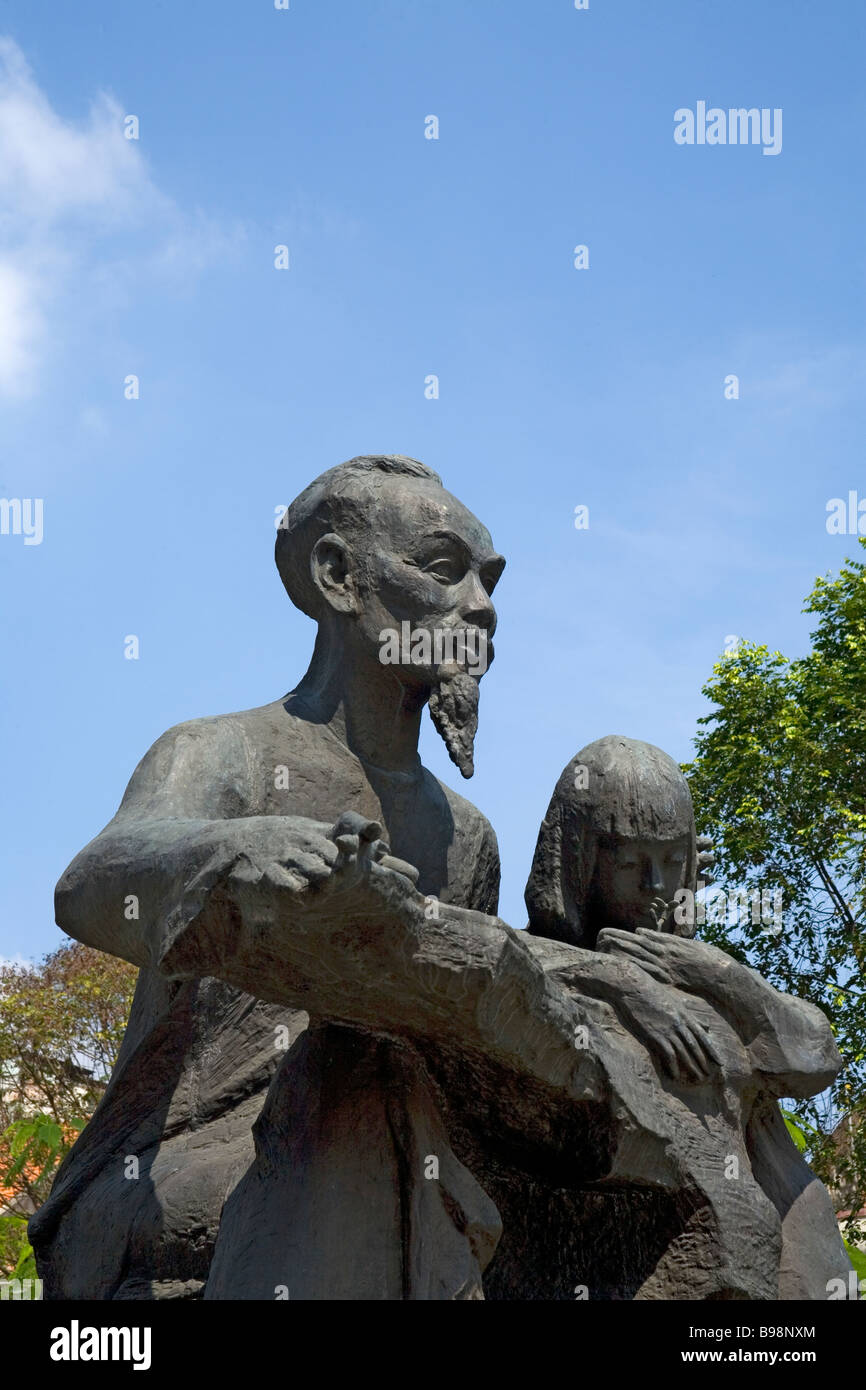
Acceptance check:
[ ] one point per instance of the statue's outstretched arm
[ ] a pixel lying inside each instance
(790, 1041)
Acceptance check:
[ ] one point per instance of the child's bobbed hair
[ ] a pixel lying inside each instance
(614, 787)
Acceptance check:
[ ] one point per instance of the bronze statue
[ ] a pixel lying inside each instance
(344, 1076)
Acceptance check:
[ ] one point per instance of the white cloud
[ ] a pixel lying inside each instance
(65, 189)
(21, 327)
(48, 168)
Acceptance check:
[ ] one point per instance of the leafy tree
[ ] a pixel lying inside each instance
(61, 1024)
(779, 782)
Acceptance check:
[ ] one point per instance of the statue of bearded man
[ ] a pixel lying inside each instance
(307, 793)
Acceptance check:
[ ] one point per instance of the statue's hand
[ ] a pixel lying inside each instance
(663, 1022)
(672, 960)
(359, 845)
(706, 858)
(313, 861)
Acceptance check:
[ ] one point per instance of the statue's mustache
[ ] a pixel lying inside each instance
(444, 649)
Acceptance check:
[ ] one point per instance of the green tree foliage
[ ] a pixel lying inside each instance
(779, 782)
(61, 1024)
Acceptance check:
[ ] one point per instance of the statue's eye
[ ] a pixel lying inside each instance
(445, 570)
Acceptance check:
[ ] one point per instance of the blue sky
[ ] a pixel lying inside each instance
(411, 257)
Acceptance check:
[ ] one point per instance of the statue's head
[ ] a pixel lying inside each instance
(617, 843)
(395, 570)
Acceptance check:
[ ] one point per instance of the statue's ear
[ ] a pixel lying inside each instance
(331, 570)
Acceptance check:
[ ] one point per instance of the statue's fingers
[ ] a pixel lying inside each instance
(705, 867)
(708, 1044)
(373, 851)
(614, 934)
(319, 873)
(690, 1058)
(694, 1039)
(617, 943)
(681, 1071)
(282, 877)
(635, 951)
(668, 1055)
(300, 869)
(644, 959)
(657, 971)
(618, 948)
(656, 943)
(400, 866)
(351, 823)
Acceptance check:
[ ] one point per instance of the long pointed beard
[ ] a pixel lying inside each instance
(454, 711)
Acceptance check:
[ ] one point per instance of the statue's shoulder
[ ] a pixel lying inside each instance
(209, 763)
(197, 740)
(469, 823)
(239, 732)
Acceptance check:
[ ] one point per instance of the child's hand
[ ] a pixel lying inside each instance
(665, 1024)
(706, 858)
(672, 960)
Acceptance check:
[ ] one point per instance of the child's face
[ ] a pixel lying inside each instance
(636, 881)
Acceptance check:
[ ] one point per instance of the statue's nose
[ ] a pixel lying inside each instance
(478, 607)
(657, 876)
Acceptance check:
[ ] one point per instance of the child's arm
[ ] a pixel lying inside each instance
(657, 1016)
(789, 1040)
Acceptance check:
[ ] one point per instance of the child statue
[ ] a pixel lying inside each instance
(615, 871)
